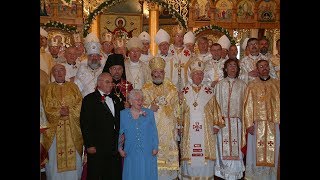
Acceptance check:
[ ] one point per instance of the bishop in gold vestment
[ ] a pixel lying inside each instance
(63, 138)
(261, 119)
(163, 96)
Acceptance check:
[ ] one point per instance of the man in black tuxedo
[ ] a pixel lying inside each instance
(100, 123)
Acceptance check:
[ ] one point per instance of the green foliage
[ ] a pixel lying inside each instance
(60, 25)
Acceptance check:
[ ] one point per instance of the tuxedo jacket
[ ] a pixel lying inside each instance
(100, 129)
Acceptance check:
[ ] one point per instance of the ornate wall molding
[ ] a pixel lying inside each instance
(109, 3)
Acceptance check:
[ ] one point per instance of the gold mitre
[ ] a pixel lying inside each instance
(119, 42)
(157, 63)
(178, 30)
(106, 37)
(196, 65)
(77, 38)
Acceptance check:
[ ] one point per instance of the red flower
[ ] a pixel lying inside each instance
(102, 99)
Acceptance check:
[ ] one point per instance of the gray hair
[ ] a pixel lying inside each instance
(102, 75)
(134, 92)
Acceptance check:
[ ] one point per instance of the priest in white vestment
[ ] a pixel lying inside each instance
(203, 52)
(229, 93)
(264, 44)
(248, 70)
(86, 77)
(189, 40)
(202, 120)
(145, 50)
(178, 72)
(162, 39)
(72, 63)
(225, 44)
(213, 72)
(137, 72)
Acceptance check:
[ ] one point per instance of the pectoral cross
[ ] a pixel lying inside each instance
(195, 104)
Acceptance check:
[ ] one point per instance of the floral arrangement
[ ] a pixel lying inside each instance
(109, 3)
(62, 26)
(103, 99)
(214, 27)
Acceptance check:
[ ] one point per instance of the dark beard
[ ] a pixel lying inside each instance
(264, 51)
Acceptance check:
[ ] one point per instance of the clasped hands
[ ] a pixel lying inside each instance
(64, 111)
(154, 107)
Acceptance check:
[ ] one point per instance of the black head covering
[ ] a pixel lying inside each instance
(115, 59)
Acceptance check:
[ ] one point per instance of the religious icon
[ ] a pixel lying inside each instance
(120, 30)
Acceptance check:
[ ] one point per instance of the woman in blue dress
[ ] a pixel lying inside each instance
(140, 146)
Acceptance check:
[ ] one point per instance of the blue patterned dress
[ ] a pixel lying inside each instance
(141, 137)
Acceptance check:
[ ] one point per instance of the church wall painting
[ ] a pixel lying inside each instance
(245, 11)
(223, 11)
(267, 11)
(121, 25)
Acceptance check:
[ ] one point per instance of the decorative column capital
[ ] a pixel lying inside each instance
(153, 6)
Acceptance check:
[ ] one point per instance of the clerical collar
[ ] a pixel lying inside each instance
(231, 79)
(158, 84)
(134, 63)
(194, 85)
(61, 82)
(254, 57)
(72, 64)
(264, 79)
(179, 48)
(196, 88)
(116, 81)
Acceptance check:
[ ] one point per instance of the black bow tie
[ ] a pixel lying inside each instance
(109, 95)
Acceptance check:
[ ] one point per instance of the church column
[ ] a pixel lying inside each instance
(153, 26)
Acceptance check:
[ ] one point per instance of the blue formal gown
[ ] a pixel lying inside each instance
(141, 137)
